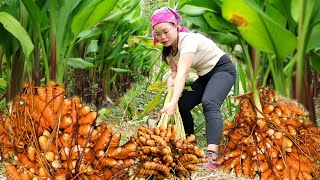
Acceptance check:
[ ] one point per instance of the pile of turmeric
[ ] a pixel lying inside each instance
(281, 145)
(47, 136)
(163, 155)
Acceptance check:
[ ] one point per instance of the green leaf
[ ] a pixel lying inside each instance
(316, 12)
(109, 31)
(35, 13)
(209, 5)
(242, 76)
(277, 16)
(3, 82)
(91, 15)
(90, 59)
(295, 10)
(63, 15)
(117, 49)
(314, 39)
(199, 119)
(119, 13)
(119, 70)
(200, 127)
(282, 7)
(104, 112)
(143, 41)
(224, 38)
(112, 79)
(258, 29)
(192, 10)
(89, 34)
(79, 63)
(217, 22)
(92, 47)
(315, 61)
(200, 21)
(158, 86)
(16, 29)
(152, 104)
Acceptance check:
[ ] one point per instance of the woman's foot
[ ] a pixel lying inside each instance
(211, 160)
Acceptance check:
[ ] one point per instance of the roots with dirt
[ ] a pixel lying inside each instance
(282, 145)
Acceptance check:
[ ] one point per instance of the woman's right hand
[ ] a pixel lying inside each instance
(169, 109)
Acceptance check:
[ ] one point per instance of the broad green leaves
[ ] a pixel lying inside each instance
(15, 28)
(192, 10)
(37, 16)
(94, 13)
(209, 5)
(217, 22)
(315, 61)
(259, 29)
(314, 39)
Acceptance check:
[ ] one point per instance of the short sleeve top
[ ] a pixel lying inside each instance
(207, 53)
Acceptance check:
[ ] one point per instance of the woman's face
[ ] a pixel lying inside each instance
(166, 33)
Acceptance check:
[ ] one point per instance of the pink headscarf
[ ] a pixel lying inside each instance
(166, 14)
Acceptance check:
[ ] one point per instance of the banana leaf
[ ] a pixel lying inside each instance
(91, 15)
(258, 29)
(16, 29)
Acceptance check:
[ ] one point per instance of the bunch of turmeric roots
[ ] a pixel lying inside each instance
(282, 144)
(47, 136)
(161, 154)
(44, 135)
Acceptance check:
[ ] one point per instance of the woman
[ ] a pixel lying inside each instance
(183, 50)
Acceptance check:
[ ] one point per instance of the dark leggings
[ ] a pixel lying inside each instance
(210, 90)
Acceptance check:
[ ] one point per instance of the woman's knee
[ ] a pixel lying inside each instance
(212, 105)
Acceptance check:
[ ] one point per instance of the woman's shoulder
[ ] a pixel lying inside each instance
(187, 36)
(183, 35)
(193, 37)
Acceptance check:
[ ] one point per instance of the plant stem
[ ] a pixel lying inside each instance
(251, 77)
(306, 10)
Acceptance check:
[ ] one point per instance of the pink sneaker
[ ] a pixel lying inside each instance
(211, 158)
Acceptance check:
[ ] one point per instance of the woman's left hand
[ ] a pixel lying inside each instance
(169, 109)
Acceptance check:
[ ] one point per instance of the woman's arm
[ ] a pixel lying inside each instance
(183, 67)
(170, 81)
(173, 67)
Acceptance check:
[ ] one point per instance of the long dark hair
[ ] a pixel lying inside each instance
(165, 53)
(167, 50)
